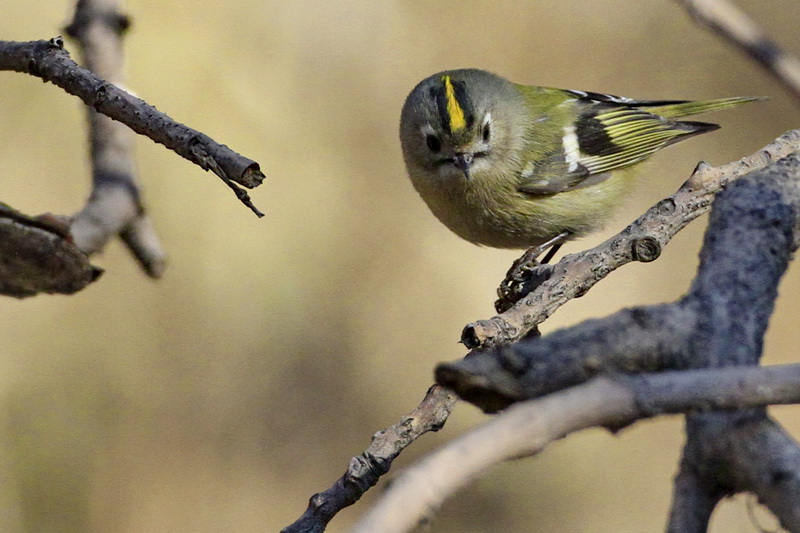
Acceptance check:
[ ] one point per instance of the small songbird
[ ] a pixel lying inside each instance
(517, 166)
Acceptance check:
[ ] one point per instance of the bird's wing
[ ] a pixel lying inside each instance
(609, 133)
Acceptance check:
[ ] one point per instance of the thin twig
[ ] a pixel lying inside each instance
(114, 206)
(527, 428)
(365, 470)
(757, 210)
(736, 27)
(38, 256)
(720, 322)
(577, 273)
(694, 196)
(51, 62)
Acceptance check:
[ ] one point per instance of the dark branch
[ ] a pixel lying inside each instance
(49, 61)
(365, 470)
(577, 273)
(38, 256)
(719, 322)
(694, 498)
(114, 206)
(694, 197)
(733, 25)
(740, 452)
(526, 428)
(753, 231)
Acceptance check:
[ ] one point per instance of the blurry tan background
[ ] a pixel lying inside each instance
(221, 397)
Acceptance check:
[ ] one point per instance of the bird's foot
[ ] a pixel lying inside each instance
(528, 272)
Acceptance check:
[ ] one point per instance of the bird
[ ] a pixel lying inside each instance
(506, 165)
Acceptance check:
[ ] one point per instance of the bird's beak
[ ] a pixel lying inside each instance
(463, 162)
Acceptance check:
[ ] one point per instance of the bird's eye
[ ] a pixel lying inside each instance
(486, 133)
(433, 142)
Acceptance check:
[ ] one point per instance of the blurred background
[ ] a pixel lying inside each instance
(224, 395)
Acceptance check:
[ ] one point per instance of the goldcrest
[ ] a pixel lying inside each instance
(513, 166)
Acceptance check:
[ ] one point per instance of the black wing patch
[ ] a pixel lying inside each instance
(612, 137)
(622, 100)
(614, 132)
(593, 137)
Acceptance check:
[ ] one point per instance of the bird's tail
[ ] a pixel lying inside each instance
(683, 109)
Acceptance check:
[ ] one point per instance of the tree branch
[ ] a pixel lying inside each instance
(550, 287)
(734, 452)
(49, 61)
(693, 501)
(641, 241)
(737, 28)
(719, 323)
(364, 471)
(673, 213)
(38, 256)
(114, 206)
(527, 428)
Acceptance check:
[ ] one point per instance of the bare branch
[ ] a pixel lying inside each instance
(730, 452)
(577, 273)
(693, 501)
(38, 256)
(720, 310)
(49, 61)
(736, 27)
(365, 470)
(553, 286)
(114, 207)
(527, 428)
(753, 231)
(695, 195)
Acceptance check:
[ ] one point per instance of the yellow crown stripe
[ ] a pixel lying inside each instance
(454, 110)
